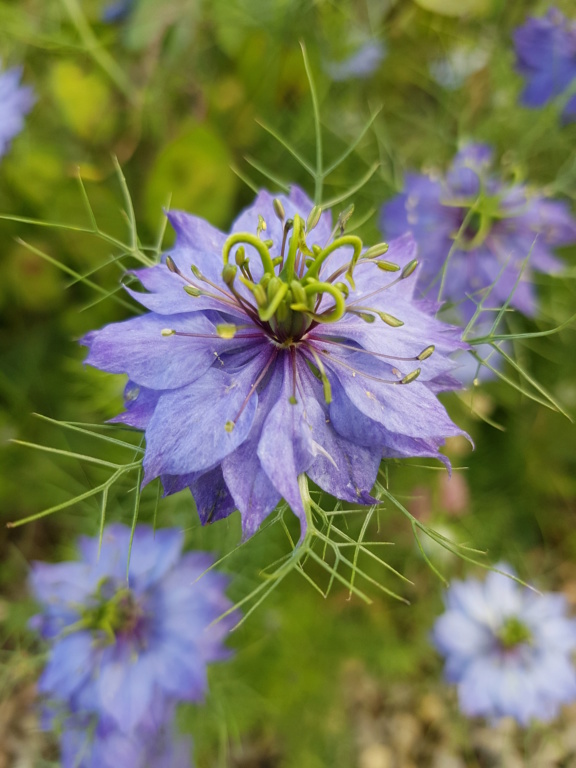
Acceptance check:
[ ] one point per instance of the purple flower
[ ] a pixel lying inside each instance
(93, 743)
(507, 648)
(117, 11)
(509, 232)
(15, 103)
(282, 349)
(546, 58)
(362, 63)
(120, 647)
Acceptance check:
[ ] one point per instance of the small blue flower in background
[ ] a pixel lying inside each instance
(126, 652)
(546, 58)
(510, 232)
(117, 11)
(362, 63)
(507, 648)
(15, 102)
(281, 349)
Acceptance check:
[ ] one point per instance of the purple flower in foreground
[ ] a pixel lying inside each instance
(509, 232)
(282, 349)
(15, 103)
(120, 648)
(546, 57)
(507, 648)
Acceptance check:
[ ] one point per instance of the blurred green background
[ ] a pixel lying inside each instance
(187, 96)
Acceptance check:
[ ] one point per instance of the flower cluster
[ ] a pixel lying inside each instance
(281, 349)
(124, 651)
(546, 58)
(507, 648)
(479, 238)
(15, 103)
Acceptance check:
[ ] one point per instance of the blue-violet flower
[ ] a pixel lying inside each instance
(15, 103)
(494, 233)
(118, 647)
(546, 58)
(507, 648)
(280, 349)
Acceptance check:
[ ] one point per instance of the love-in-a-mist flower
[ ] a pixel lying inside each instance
(87, 742)
(546, 58)
(479, 236)
(280, 349)
(120, 647)
(16, 101)
(508, 648)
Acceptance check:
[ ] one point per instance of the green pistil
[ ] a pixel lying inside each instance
(513, 633)
(288, 295)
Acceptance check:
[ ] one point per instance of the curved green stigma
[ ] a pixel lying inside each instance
(288, 295)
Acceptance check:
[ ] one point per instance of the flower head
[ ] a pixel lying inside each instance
(546, 58)
(119, 647)
(281, 349)
(495, 233)
(507, 648)
(15, 103)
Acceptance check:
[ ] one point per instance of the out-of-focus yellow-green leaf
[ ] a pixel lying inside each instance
(85, 101)
(33, 170)
(30, 282)
(457, 7)
(194, 173)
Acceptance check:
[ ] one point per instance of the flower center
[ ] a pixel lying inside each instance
(114, 613)
(288, 298)
(513, 633)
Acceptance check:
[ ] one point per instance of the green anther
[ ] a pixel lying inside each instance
(387, 266)
(292, 400)
(268, 243)
(327, 389)
(266, 314)
(247, 239)
(316, 249)
(226, 330)
(344, 288)
(191, 291)
(409, 269)
(259, 295)
(390, 320)
(376, 250)
(229, 426)
(366, 316)
(265, 279)
(425, 354)
(167, 332)
(411, 376)
(277, 261)
(261, 225)
(240, 256)
(344, 218)
(278, 209)
(196, 272)
(229, 274)
(170, 263)
(313, 218)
